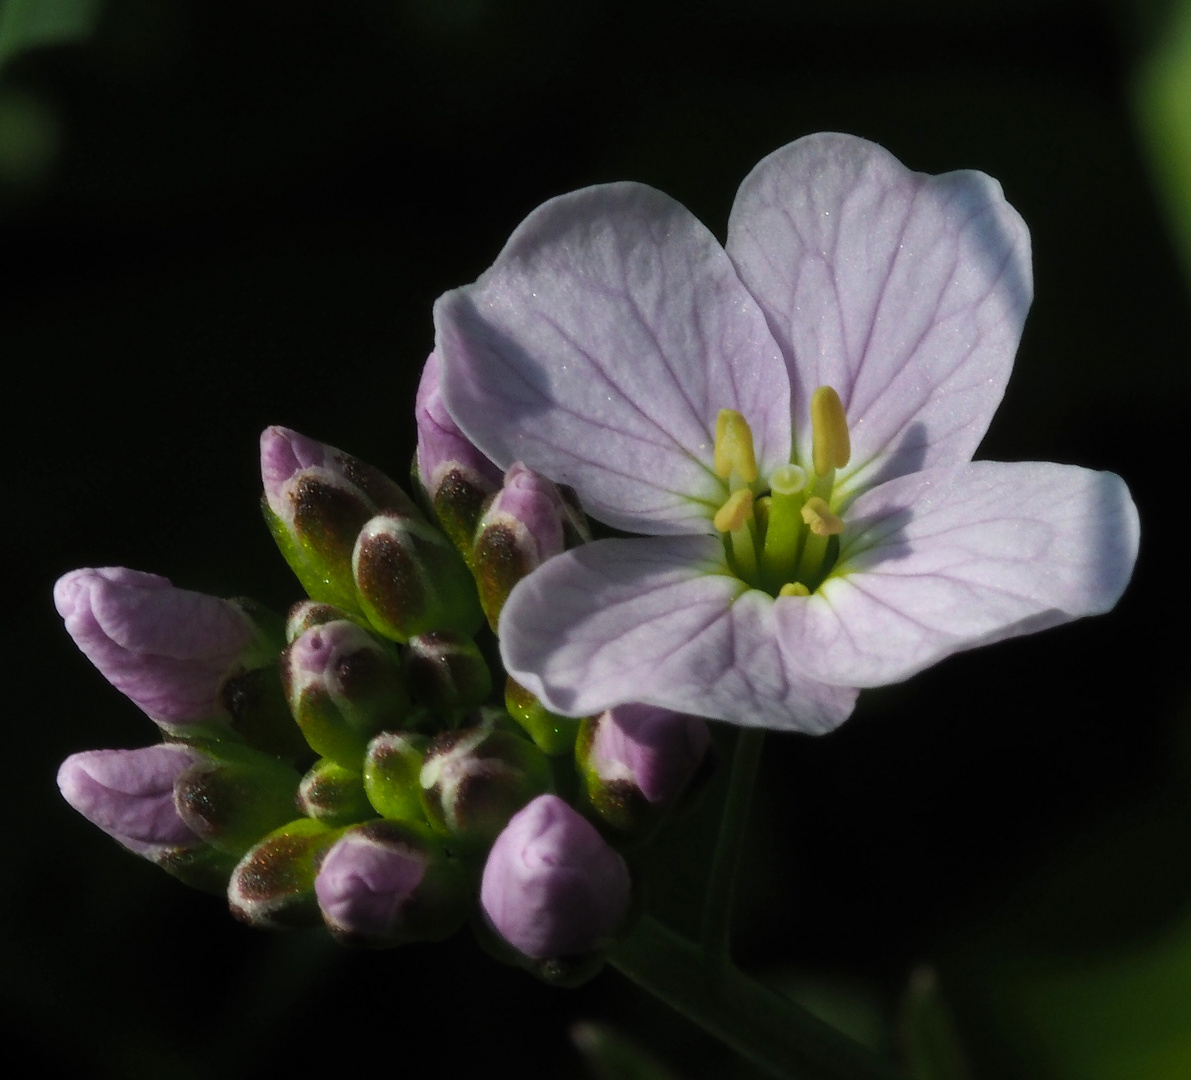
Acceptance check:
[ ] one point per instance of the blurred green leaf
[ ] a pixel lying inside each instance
(27, 24)
(610, 1056)
(932, 1046)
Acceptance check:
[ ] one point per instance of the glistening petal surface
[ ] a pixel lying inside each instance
(599, 349)
(658, 621)
(949, 559)
(905, 292)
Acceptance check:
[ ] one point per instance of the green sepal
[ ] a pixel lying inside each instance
(236, 796)
(392, 767)
(554, 735)
(325, 577)
(201, 867)
(333, 794)
(272, 886)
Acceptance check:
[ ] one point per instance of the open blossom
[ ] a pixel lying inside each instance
(790, 419)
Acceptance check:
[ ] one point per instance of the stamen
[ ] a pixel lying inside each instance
(794, 588)
(829, 431)
(819, 517)
(734, 447)
(737, 509)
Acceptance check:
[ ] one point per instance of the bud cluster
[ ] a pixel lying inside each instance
(347, 764)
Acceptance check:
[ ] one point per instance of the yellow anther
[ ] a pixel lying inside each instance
(734, 447)
(829, 430)
(794, 588)
(735, 512)
(817, 514)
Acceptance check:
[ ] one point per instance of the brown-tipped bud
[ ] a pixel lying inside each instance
(411, 581)
(334, 795)
(316, 500)
(307, 614)
(446, 672)
(234, 796)
(272, 886)
(521, 528)
(473, 780)
(392, 771)
(554, 735)
(344, 684)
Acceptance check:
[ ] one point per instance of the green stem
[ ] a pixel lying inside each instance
(772, 1032)
(716, 931)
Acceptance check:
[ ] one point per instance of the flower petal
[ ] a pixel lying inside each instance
(658, 621)
(599, 349)
(905, 292)
(950, 559)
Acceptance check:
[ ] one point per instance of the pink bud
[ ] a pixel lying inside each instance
(552, 887)
(655, 750)
(167, 649)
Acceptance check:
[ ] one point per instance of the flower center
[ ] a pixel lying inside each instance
(779, 531)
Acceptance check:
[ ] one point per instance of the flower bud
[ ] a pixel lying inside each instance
(554, 735)
(552, 887)
(233, 795)
(522, 527)
(169, 650)
(446, 672)
(129, 794)
(411, 581)
(636, 761)
(473, 780)
(316, 500)
(334, 795)
(392, 775)
(385, 883)
(307, 614)
(343, 685)
(272, 886)
(456, 477)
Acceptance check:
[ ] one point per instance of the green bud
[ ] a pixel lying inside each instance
(475, 779)
(256, 703)
(446, 672)
(307, 614)
(554, 735)
(202, 867)
(411, 580)
(392, 771)
(344, 685)
(272, 886)
(334, 795)
(235, 796)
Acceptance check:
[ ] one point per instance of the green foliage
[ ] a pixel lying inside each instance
(30, 24)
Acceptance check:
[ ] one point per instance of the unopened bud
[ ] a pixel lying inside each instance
(552, 887)
(473, 780)
(129, 794)
(386, 883)
(316, 500)
(392, 775)
(333, 794)
(234, 795)
(307, 614)
(411, 581)
(272, 886)
(446, 672)
(169, 650)
(343, 685)
(456, 477)
(554, 735)
(637, 760)
(522, 527)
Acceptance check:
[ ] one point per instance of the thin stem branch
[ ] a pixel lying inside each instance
(772, 1032)
(716, 931)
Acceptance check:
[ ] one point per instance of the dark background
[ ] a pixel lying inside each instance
(241, 215)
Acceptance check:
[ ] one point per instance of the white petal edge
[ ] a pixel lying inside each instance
(598, 350)
(905, 292)
(658, 621)
(950, 559)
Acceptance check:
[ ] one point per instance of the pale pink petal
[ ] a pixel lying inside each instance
(949, 559)
(658, 621)
(905, 292)
(599, 349)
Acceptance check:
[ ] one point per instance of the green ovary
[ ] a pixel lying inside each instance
(779, 532)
